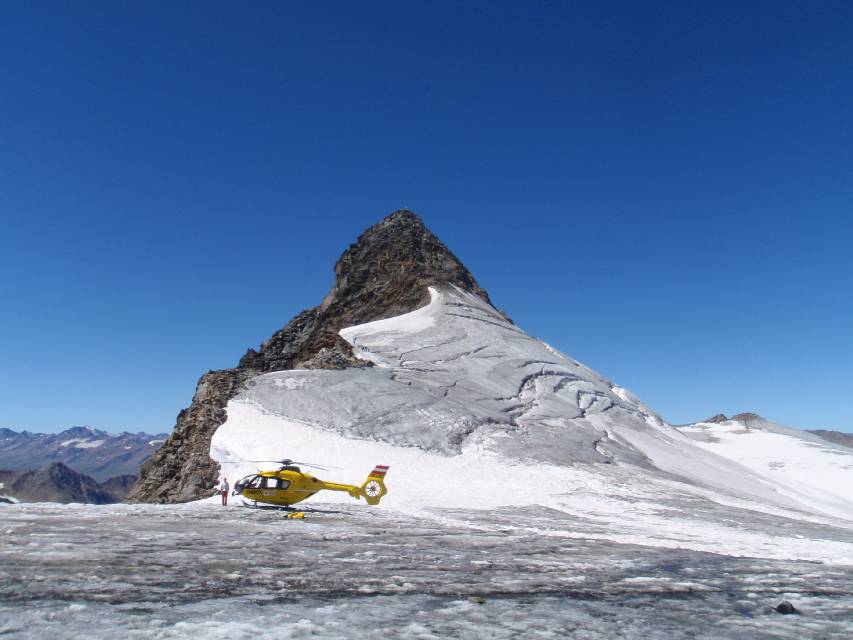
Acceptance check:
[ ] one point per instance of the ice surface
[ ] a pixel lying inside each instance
(797, 462)
(529, 497)
(203, 571)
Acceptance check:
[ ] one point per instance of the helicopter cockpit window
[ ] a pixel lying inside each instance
(255, 483)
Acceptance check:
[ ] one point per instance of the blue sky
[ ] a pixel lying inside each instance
(664, 192)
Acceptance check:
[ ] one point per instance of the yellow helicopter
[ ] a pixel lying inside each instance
(289, 484)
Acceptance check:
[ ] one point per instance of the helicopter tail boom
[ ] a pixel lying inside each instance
(374, 487)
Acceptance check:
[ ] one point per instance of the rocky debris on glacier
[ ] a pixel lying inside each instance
(385, 273)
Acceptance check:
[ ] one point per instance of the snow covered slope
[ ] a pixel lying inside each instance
(799, 463)
(458, 392)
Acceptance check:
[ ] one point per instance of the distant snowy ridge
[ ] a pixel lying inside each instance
(799, 463)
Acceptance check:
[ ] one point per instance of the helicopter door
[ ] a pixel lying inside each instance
(270, 485)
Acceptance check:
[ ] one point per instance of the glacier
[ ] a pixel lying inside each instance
(202, 571)
(471, 414)
(456, 385)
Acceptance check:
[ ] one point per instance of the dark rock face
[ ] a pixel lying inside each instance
(118, 487)
(57, 483)
(182, 470)
(747, 419)
(384, 274)
(717, 419)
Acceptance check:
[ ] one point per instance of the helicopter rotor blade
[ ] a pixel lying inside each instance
(284, 462)
(287, 461)
(316, 466)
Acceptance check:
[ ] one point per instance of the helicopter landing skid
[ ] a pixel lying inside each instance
(269, 507)
(285, 508)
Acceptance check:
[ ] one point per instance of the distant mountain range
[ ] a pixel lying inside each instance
(86, 450)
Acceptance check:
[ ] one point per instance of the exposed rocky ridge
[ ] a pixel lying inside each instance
(747, 419)
(744, 418)
(385, 273)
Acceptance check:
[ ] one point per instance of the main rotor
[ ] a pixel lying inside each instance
(285, 463)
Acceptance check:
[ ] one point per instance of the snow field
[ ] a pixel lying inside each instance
(473, 415)
(820, 471)
(600, 501)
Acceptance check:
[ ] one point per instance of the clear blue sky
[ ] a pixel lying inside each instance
(662, 191)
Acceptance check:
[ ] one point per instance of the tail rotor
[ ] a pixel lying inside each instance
(374, 488)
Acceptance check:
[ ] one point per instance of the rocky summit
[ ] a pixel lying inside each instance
(385, 273)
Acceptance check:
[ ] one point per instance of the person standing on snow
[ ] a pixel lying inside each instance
(223, 489)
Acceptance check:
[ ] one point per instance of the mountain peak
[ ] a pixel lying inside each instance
(401, 214)
(385, 273)
(83, 432)
(391, 265)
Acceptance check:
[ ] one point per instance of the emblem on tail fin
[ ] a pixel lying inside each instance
(374, 487)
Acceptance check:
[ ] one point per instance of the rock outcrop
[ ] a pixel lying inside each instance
(747, 419)
(385, 273)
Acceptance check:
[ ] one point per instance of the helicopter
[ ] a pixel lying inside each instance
(289, 484)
